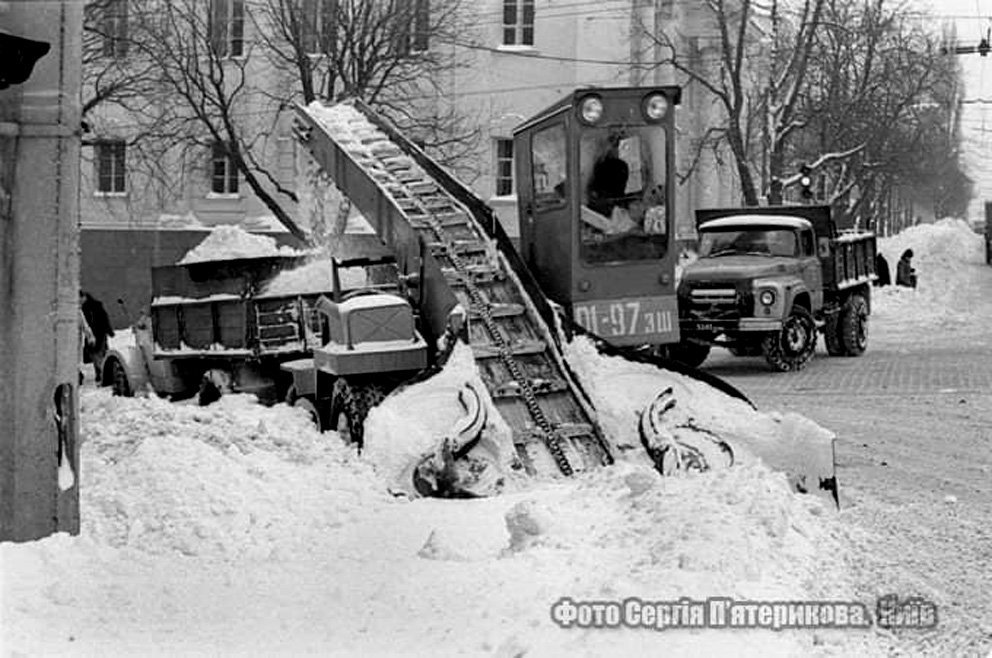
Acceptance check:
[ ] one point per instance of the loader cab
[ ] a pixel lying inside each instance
(595, 188)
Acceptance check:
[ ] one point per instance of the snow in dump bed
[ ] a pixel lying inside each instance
(229, 242)
(314, 276)
(949, 258)
(237, 529)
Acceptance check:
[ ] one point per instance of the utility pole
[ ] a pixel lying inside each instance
(40, 55)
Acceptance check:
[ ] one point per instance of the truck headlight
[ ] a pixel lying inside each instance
(767, 297)
(654, 106)
(591, 109)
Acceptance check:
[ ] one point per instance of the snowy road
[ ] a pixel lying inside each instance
(914, 423)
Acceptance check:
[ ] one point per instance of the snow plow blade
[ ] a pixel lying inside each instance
(808, 461)
(803, 452)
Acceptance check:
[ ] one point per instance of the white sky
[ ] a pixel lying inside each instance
(972, 19)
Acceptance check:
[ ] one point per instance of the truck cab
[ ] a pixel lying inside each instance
(767, 279)
(596, 200)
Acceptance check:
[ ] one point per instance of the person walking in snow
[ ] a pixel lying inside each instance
(882, 270)
(905, 273)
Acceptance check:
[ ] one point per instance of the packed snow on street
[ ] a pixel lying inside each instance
(239, 529)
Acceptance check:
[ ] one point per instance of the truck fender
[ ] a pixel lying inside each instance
(125, 351)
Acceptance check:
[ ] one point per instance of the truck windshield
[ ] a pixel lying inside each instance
(623, 177)
(764, 242)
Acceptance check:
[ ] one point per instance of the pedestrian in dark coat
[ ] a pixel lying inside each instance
(99, 322)
(905, 274)
(882, 270)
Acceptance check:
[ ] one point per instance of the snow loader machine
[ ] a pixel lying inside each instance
(596, 257)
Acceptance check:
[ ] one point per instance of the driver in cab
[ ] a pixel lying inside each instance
(610, 208)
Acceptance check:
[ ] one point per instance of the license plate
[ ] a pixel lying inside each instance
(631, 319)
(704, 326)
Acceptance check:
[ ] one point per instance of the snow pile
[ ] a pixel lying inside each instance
(314, 276)
(413, 420)
(237, 529)
(228, 242)
(949, 258)
(223, 481)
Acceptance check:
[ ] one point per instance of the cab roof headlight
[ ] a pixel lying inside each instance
(655, 107)
(591, 109)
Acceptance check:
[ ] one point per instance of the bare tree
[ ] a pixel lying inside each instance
(393, 54)
(883, 93)
(761, 58)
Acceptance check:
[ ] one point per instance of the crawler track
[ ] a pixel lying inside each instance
(518, 358)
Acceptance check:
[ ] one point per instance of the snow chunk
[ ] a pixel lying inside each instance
(228, 242)
(314, 276)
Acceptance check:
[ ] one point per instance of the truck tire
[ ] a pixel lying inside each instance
(691, 354)
(308, 404)
(831, 336)
(791, 348)
(119, 383)
(854, 325)
(213, 385)
(351, 404)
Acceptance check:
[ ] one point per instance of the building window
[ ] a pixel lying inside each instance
(504, 167)
(227, 27)
(316, 29)
(110, 167)
(113, 28)
(414, 28)
(224, 179)
(518, 22)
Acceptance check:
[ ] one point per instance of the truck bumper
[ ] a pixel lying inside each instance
(743, 325)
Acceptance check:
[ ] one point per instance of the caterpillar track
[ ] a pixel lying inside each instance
(445, 249)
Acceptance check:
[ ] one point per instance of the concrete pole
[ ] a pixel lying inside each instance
(39, 276)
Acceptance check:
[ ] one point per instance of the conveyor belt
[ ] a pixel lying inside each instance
(552, 426)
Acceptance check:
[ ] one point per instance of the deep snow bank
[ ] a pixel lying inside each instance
(949, 258)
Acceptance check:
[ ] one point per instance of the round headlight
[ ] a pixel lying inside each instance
(655, 107)
(591, 109)
(767, 297)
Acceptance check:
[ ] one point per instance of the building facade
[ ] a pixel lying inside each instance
(514, 58)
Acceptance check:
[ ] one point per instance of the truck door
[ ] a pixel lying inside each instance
(810, 268)
(544, 225)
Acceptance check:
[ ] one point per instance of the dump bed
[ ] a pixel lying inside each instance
(847, 255)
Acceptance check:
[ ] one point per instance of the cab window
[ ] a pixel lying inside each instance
(623, 215)
(549, 173)
(807, 238)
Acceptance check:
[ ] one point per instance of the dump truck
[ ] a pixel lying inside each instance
(767, 280)
(227, 325)
(597, 257)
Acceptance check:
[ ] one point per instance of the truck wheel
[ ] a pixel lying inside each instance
(831, 336)
(213, 385)
(691, 354)
(793, 346)
(308, 404)
(351, 404)
(854, 326)
(120, 386)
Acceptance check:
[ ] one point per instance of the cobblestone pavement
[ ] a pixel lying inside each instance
(914, 463)
(883, 371)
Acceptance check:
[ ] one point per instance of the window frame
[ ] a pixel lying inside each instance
(518, 24)
(114, 29)
(504, 172)
(227, 28)
(229, 178)
(110, 161)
